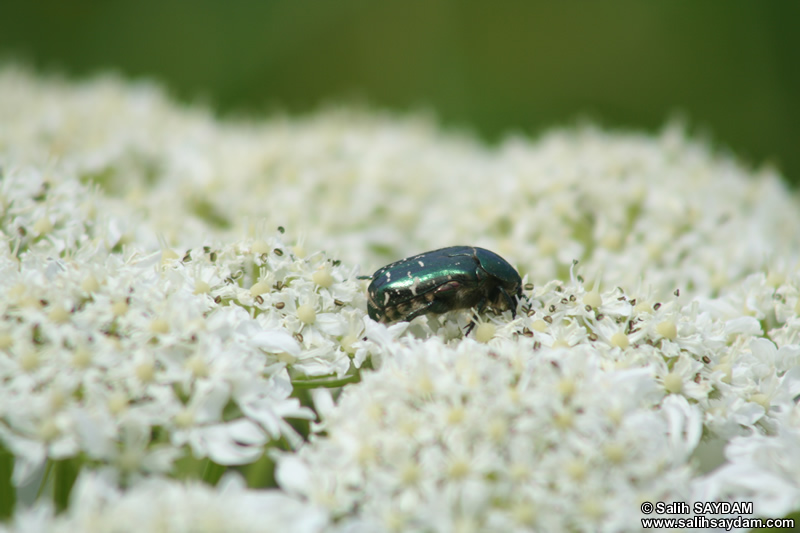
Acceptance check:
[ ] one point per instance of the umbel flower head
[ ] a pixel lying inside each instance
(177, 293)
(501, 438)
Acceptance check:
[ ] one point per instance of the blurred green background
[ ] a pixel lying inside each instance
(732, 69)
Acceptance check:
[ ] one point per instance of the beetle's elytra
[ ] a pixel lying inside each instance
(458, 277)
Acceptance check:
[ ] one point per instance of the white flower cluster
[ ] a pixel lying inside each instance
(102, 351)
(155, 317)
(497, 438)
(371, 189)
(555, 411)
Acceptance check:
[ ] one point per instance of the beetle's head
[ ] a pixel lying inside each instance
(498, 268)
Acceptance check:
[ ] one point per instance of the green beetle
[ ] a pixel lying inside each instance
(458, 277)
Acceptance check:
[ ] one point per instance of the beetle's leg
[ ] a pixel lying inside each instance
(510, 301)
(474, 320)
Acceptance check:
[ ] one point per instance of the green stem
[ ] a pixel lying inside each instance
(212, 472)
(327, 382)
(66, 472)
(8, 493)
